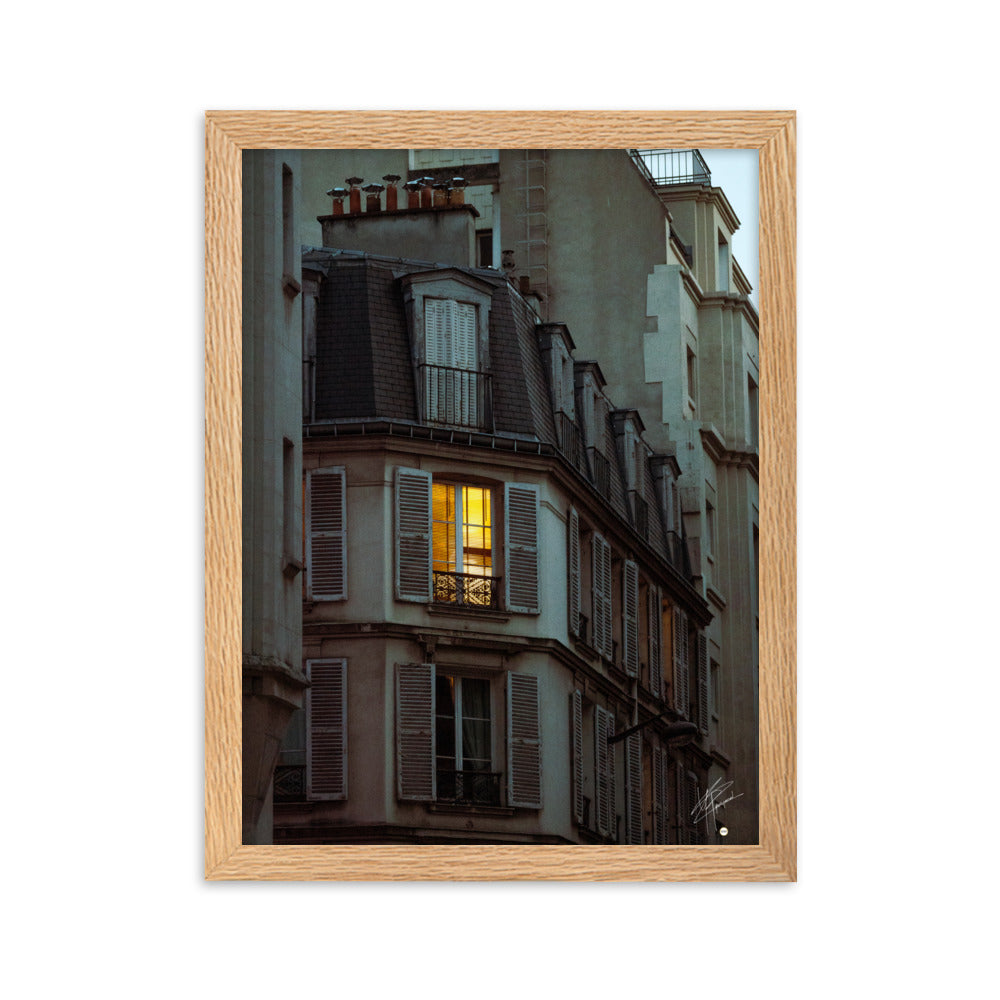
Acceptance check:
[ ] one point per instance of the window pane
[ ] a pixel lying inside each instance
(443, 508)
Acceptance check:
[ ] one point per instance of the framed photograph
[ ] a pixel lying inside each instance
(500, 496)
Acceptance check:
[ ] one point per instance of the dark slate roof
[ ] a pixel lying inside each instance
(363, 351)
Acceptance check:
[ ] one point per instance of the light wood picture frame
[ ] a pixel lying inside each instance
(772, 133)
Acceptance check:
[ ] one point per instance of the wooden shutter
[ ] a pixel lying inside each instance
(326, 534)
(413, 535)
(681, 698)
(683, 816)
(465, 336)
(654, 631)
(415, 772)
(326, 729)
(601, 770)
(597, 591)
(659, 796)
(573, 570)
(633, 788)
(601, 591)
(702, 683)
(437, 339)
(521, 547)
(630, 618)
(576, 732)
(524, 745)
(612, 786)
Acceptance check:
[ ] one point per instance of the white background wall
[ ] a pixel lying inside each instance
(103, 243)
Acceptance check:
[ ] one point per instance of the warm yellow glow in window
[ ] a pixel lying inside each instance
(469, 550)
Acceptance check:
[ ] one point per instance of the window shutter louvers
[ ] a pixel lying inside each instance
(681, 698)
(601, 590)
(415, 772)
(655, 615)
(573, 570)
(659, 796)
(633, 788)
(413, 535)
(630, 618)
(576, 726)
(601, 753)
(326, 729)
(326, 534)
(683, 817)
(703, 683)
(521, 548)
(524, 748)
(612, 787)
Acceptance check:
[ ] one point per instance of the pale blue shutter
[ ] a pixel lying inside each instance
(573, 570)
(524, 744)
(521, 547)
(630, 618)
(326, 534)
(633, 788)
(576, 728)
(413, 535)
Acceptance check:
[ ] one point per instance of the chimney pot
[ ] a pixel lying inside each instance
(412, 193)
(440, 194)
(338, 194)
(457, 194)
(373, 203)
(355, 194)
(427, 192)
(391, 192)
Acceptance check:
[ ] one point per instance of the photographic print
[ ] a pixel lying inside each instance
(503, 416)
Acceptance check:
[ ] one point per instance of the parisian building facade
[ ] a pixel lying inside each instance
(528, 440)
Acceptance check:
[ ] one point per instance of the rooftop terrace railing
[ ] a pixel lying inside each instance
(671, 166)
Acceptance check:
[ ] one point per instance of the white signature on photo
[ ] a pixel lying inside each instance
(714, 798)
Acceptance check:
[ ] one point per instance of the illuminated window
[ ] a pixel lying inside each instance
(463, 544)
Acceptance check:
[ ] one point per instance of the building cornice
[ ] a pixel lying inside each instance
(702, 194)
(715, 446)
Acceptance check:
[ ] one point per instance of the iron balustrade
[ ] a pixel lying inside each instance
(290, 783)
(457, 396)
(601, 470)
(672, 166)
(480, 788)
(467, 590)
(641, 509)
(570, 442)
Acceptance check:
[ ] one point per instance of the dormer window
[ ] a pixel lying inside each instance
(448, 315)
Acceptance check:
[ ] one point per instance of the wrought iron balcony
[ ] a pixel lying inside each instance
(480, 788)
(672, 166)
(601, 472)
(290, 783)
(467, 590)
(570, 442)
(641, 511)
(457, 396)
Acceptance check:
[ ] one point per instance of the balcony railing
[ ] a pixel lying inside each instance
(672, 166)
(601, 471)
(641, 511)
(570, 442)
(467, 590)
(290, 783)
(457, 396)
(480, 788)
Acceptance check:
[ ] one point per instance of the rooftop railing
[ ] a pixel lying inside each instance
(671, 166)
